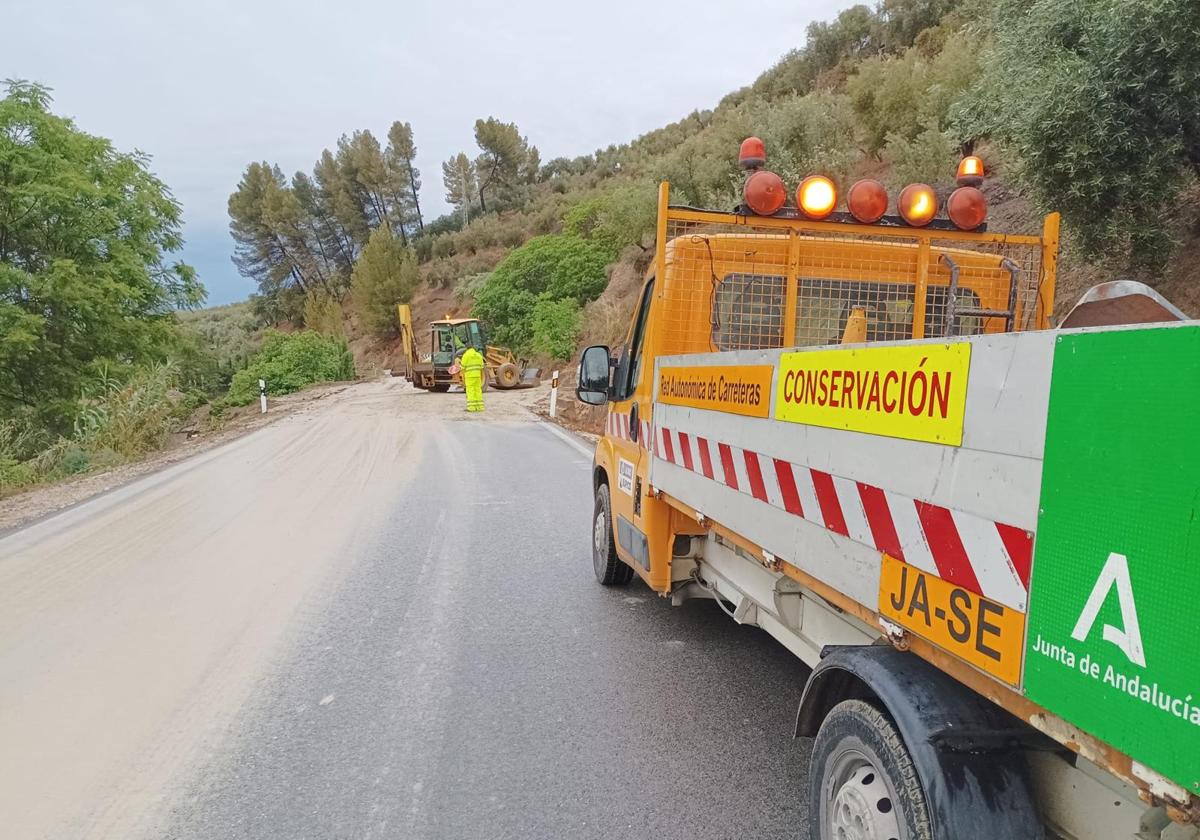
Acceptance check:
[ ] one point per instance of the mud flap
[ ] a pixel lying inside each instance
(633, 542)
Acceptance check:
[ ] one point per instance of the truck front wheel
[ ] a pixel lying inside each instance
(862, 781)
(609, 569)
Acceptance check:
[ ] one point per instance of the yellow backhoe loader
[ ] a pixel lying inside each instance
(448, 338)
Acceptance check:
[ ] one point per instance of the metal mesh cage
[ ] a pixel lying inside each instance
(748, 311)
(750, 283)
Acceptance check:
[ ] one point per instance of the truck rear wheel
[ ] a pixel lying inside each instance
(863, 784)
(609, 569)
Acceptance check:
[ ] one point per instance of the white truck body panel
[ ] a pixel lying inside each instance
(993, 477)
(733, 469)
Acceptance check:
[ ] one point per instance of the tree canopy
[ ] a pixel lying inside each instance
(458, 176)
(385, 274)
(304, 235)
(502, 159)
(86, 279)
(546, 268)
(1100, 102)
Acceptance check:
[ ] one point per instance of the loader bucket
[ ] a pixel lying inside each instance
(530, 377)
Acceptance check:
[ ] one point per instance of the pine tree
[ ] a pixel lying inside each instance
(504, 150)
(361, 158)
(384, 275)
(339, 199)
(458, 174)
(531, 169)
(260, 253)
(324, 241)
(401, 152)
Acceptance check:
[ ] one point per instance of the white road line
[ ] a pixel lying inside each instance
(567, 438)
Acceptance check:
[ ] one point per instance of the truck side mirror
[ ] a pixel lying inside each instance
(591, 386)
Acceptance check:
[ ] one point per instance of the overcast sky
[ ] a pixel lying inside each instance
(207, 87)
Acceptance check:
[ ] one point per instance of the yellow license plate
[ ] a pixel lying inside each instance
(988, 635)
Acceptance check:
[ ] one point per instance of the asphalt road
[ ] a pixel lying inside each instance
(397, 636)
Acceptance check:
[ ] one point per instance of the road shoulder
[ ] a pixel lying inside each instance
(39, 503)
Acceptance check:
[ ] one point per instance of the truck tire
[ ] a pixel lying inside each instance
(507, 376)
(610, 571)
(862, 780)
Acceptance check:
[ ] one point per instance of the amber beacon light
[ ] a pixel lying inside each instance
(752, 154)
(764, 192)
(970, 172)
(817, 196)
(867, 201)
(918, 204)
(967, 208)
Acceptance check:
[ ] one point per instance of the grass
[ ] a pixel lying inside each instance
(118, 421)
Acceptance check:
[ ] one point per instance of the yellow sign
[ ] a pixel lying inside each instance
(918, 392)
(736, 389)
(990, 636)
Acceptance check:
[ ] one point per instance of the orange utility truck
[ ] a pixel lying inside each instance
(862, 432)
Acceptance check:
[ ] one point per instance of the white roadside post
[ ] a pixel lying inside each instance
(262, 395)
(553, 393)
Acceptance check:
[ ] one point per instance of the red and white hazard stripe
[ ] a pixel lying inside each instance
(617, 425)
(989, 558)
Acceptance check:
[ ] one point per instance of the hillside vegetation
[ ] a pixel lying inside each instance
(1089, 107)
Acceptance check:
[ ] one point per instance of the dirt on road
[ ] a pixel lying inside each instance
(132, 625)
(30, 505)
(24, 507)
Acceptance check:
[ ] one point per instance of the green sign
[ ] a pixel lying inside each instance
(1114, 615)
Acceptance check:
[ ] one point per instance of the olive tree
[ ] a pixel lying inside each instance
(1100, 101)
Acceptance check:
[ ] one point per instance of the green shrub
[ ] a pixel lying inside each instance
(906, 95)
(74, 461)
(810, 134)
(615, 220)
(555, 328)
(117, 418)
(468, 287)
(443, 245)
(928, 158)
(885, 93)
(20, 439)
(16, 474)
(288, 362)
(423, 247)
(552, 267)
(1099, 101)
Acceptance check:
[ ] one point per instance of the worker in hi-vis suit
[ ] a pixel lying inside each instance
(472, 374)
